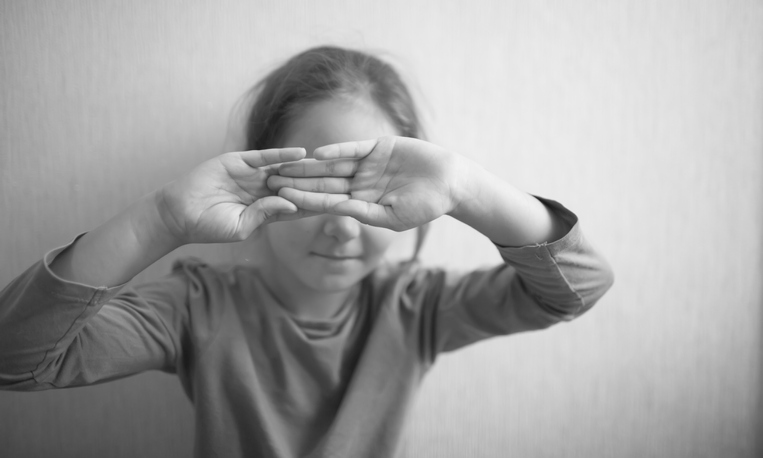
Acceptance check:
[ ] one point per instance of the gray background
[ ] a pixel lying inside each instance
(644, 117)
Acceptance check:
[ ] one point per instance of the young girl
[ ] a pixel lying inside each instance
(320, 352)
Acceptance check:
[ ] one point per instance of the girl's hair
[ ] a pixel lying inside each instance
(324, 73)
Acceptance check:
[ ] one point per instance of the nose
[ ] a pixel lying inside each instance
(342, 228)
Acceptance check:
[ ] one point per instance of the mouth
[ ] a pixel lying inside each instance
(335, 257)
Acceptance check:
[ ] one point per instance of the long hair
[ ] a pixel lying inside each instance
(324, 73)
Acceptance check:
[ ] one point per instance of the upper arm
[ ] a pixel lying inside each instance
(536, 287)
(139, 329)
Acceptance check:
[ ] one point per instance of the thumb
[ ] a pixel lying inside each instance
(263, 210)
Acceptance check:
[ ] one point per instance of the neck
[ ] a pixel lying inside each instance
(306, 303)
(299, 299)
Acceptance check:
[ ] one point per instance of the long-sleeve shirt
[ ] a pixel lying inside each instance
(265, 382)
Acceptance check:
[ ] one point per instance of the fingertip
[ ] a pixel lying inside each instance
(272, 184)
(284, 168)
(289, 208)
(276, 182)
(324, 152)
(284, 192)
(295, 153)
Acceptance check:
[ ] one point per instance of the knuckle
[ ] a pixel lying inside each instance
(301, 199)
(326, 201)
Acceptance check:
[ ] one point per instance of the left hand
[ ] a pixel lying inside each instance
(393, 182)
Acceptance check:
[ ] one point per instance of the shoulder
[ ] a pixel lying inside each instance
(202, 276)
(408, 284)
(220, 286)
(208, 292)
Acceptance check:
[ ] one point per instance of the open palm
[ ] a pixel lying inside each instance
(226, 198)
(393, 182)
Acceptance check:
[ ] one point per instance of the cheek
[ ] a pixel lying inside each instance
(378, 240)
(289, 238)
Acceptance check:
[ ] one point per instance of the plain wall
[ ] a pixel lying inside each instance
(643, 117)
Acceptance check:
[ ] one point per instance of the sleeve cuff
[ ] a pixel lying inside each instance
(71, 289)
(541, 250)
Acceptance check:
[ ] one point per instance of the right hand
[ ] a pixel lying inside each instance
(226, 198)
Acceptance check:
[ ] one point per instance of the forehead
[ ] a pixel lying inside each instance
(337, 120)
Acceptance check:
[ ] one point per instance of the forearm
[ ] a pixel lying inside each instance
(116, 251)
(507, 216)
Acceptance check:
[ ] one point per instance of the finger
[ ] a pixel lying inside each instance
(299, 214)
(261, 211)
(353, 150)
(367, 213)
(309, 168)
(271, 156)
(328, 185)
(312, 201)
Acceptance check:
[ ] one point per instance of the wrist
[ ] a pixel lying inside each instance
(465, 188)
(501, 212)
(152, 224)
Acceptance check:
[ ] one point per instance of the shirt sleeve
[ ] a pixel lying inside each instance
(56, 333)
(536, 287)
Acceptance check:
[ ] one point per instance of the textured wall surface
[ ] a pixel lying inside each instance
(645, 118)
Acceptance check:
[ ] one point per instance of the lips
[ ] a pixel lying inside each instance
(335, 256)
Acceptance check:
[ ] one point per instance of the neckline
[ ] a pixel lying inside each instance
(347, 308)
(330, 326)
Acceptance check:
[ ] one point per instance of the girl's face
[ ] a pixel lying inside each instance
(328, 253)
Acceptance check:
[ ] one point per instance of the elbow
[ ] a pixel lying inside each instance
(607, 279)
(20, 381)
(592, 291)
(28, 369)
(585, 292)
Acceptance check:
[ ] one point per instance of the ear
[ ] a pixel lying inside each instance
(235, 136)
